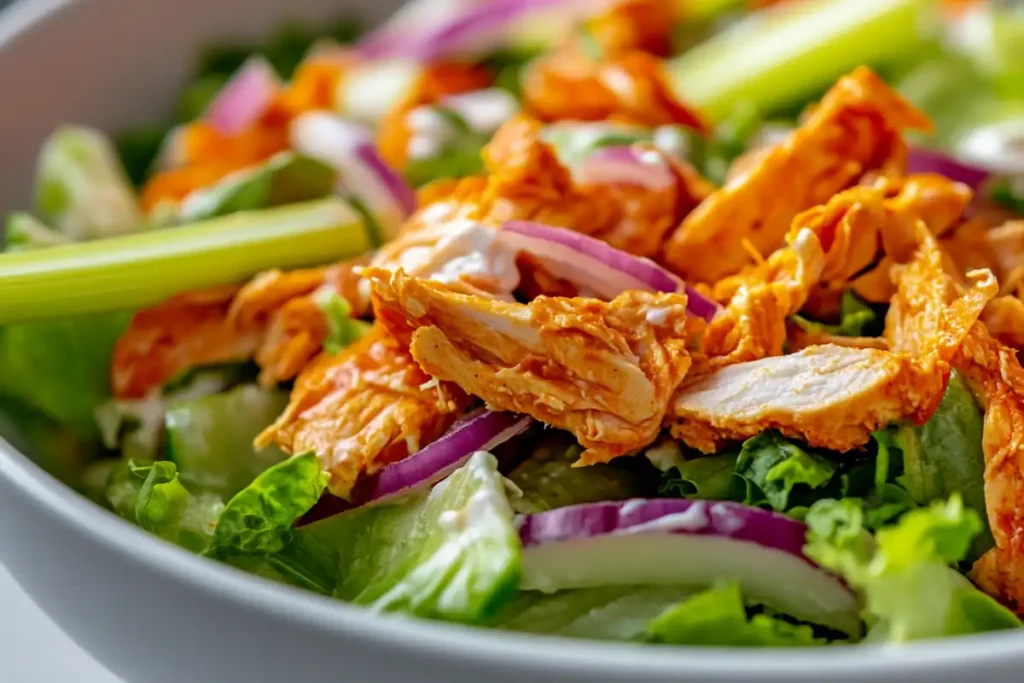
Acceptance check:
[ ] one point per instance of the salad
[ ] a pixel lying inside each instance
(684, 322)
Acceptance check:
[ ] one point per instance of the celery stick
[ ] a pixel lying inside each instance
(777, 58)
(706, 9)
(144, 268)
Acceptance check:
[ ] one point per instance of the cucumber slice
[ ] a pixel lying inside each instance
(454, 555)
(210, 439)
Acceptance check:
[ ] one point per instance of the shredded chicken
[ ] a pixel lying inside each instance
(856, 130)
(202, 155)
(274, 320)
(611, 70)
(364, 408)
(834, 397)
(436, 82)
(602, 370)
(753, 325)
(526, 181)
(997, 379)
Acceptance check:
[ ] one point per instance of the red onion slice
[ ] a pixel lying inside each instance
(687, 543)
(421, 470)
(598, 266)
(362, 173)
(466, 28)
(925, 160)
(624, 165)
(244, 98)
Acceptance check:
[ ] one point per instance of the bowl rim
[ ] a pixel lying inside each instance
(479, 646)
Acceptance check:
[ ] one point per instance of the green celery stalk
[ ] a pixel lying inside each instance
(144, 268)
(777, 58)
(706, 9)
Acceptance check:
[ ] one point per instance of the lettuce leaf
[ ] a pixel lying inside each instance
(602, 613)
(856, 319)
(910, 591)
(285, 178)
(944, 456)
(710, 477)
(258, 520)
(24, 231)
(342, 328)
(718, 617)
(61, 367)
(453, 555)
(81, 187)
(771, 468)
(548, 480)
(153, 497)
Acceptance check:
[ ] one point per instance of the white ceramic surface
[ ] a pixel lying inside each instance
(155, 614)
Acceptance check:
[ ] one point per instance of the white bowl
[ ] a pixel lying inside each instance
(154, 613)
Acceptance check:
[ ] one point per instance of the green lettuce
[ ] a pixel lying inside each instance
(342, 328)
(136, 427)
(904, 572)
(856, 319)
(774, 470)
(709, 477)
(153, 497)
(1009, 194)
(548, 480)
(210, 438)
(602, 613)
(718, 617)
(943, 456)
(258, 520)
(252, 530)
(61, 367)
(24, 231)
(452, 555)
(285, 178)
(459, 154)
(81, 187)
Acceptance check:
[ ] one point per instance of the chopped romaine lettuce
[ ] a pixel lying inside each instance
(81, 187)
(285, 178)
(210, 438)
(910, 590)
(454, 555)
(857, 319)
(456, 153)
(342, 328)
(258, 519)
(709, 477)
(771, 467)
(25, 231)
(718, 617)
(61, 367)
(548, 480)
(198, 95)
(575, 141)
(944, 456)
(136, 427)
(1007, 193)
(604, 613)
(153, 497)
(138, 149)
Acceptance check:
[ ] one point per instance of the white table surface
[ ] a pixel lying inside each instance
(33, 649)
